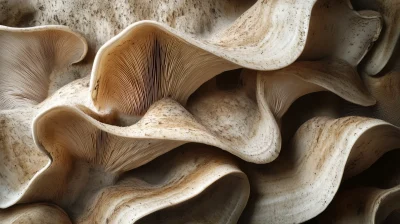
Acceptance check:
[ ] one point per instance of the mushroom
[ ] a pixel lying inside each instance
(186, 185)
(88, 154)
(385, 46)
(148, 60)
(30, 59)
(386, 89)
(284, 86)
(256, 108)
(93, 192)
(89, 147)
(305, 177)
(34, 213)
(370, 197)
(250, 133)
(22, 163)
(363, 205)
(139, 79)
(74, 93)
(349, 33)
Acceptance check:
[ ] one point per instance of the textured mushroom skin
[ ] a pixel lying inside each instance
(149, 136)
(332, 148)
(372, 205)
(34, 213)
(26, 160)
(385, 47)
(31, 60)
(182, 179)
(101, 20)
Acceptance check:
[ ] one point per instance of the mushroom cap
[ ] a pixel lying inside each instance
(362, 205)
(385, 46)
(175, 188)
(385, 87)
(370, 197)
(304, 179)
(34, 213)
(143, 77)
(149, 60)
(30, 60)
(350, 33)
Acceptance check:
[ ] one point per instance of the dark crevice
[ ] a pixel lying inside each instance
(393, 218)
(155, 72)
(229, 80)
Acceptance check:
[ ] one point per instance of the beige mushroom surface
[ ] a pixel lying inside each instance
(338, 31)
(182, 186)
(31, 61)
(304, 179)
(27, 75)
(376, 205)
(385, 46)
(385, 87)
(370, 197)
(181, 117)
(34, 213)
(148, 60)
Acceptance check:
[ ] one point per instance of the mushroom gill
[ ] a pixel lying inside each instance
(151, 136)
(249, 132)
(34, 213)
(143, 64)
(148, 60)
(79, 132)
(304, 179)
(22, 164)
(30, 58)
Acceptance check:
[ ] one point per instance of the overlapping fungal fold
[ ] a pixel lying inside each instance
(29, 60)
(284, 86)
(96, 146)
(250, 132)
(147, 64)
(34, 213)
(20, 160)
(385, 46)
(305, 177)
(376, 205)
(386, 89)
(24, 167)
(370, 197)
(179, 187)
(338, 31)
(149, 61)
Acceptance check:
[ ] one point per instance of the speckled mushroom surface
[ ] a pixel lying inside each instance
(192, 111)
